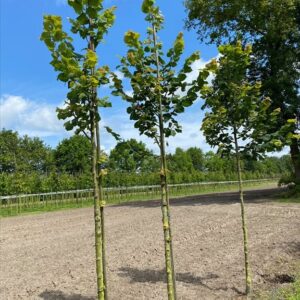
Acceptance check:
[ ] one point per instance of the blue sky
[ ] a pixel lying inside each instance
(29, 91)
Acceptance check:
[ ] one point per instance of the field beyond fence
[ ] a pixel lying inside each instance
(26, 203)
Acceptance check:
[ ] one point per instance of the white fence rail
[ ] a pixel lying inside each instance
(15, 204)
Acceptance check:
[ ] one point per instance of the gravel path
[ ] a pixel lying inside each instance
(51, 256)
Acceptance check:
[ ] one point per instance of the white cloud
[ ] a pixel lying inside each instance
(29, 117)
(129, 93)
(200, 65)
(119, 74)
(191, 135)
(197, 66)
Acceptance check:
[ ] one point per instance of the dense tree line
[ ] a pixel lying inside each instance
(27, 165)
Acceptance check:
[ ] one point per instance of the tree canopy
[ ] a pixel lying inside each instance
(73, 155)
(236, 108)
(273, 27)
(23, 153)
(132, 156)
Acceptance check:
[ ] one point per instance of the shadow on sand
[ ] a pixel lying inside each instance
(154, 276)
(58, 295)
(255, 196)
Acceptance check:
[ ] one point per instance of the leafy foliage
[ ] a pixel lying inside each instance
(78, 70)
(235, 106)
(73, 155)
(132, 156)
(20, 154)
(273, 29)
(140, 67)
(44, 173)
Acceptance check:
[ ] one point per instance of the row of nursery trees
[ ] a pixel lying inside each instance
(240, 120)
(27, 165)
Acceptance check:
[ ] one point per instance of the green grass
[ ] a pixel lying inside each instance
(115, 197)
(294, 199)
(290, 196)
(288, 292)
(15, 211)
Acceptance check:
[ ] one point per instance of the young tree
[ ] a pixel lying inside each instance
(156, 102)
(237, 121)
(273, 29)
(80, 72)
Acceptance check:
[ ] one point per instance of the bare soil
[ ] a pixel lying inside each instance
(51, 255)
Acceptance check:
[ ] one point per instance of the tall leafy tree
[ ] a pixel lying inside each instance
(214, 162)
(79, 70)
(181, 161)
(23, 153)
(197, 157)
(273, 26)
(132, 156)
(237, 119)
(9, 144)
(73, 155)
(155, 102)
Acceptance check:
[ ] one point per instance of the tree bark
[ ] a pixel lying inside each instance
(243, 214)
(102, 205)
(165, 206)
(98, 194)
(295, 156)
(97, 216)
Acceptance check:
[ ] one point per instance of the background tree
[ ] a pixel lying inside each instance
(180, 161)
(73, 155)
(24, 154)
(155, 102)
(197, 157)
(35, 155)
(46, 175)
(132, 156)
(80, 72)
(236, 121)
(274, 29)
(9, 144)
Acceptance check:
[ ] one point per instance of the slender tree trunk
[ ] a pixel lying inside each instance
(102, 205)
(295, 156)
(97, 216)
(98, 194)
(243, 214)
(165, 206)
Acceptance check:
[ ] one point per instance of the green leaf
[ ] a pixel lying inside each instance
(104, 102)
(131, 38)
(147, 6)
(69, 125)
(90, 59)
(77, 5)
(179, 44)
(114, 134)
(92, 13)
(83, 19)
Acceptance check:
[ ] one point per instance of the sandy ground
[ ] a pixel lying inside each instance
(51, 255)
